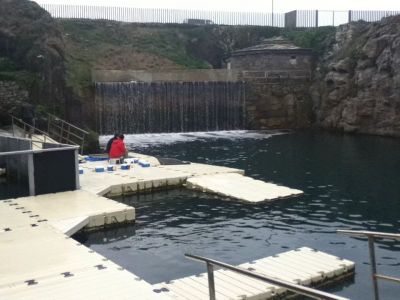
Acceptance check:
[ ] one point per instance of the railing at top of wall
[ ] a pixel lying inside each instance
(318, 18)
(161, 15)
(296, 18)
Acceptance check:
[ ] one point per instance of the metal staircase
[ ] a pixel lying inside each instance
(65, 132)
(58, 131)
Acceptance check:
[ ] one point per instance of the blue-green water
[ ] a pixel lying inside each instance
(349, 182)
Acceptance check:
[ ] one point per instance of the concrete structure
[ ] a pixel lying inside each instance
(276, 54)
(278, 75)
(164, 76)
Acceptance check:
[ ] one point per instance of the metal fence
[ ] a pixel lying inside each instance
(160, 15)
(292, 19)
(318, 18)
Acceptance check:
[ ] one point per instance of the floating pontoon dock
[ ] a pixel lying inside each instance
(223, 181)
(303, 266)
(41, 261)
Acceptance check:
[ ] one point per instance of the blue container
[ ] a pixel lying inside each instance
(80, 171)
(110, 168)
(144, 164)
(125, 167)
(99, 169)
(96, 158)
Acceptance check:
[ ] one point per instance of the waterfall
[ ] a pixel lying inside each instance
(137, 107)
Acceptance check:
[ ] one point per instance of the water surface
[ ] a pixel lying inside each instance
(349, 182)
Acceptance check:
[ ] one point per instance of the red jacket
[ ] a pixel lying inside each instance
(117, 148)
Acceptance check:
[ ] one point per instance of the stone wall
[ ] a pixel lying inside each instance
(272, 60)
(278, 104)
(11, 98)
(198, 75)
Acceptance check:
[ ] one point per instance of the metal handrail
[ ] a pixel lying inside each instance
(371, 235)
(33, 128)
(69, 124)
(364, 233)
(13, 118)
(22, 152)
(65, 131)
(299, 289)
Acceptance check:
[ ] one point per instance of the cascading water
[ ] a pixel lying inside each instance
(132, 107)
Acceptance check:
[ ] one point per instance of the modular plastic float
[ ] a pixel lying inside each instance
(131, 160)
(144, 163)
(111, 168)
(99, 169)
(125, 167)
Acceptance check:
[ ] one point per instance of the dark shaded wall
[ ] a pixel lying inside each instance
(278, 104)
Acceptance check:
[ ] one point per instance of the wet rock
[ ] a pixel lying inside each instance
(360, 89)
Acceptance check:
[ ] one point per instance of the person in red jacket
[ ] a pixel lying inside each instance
(118, 149)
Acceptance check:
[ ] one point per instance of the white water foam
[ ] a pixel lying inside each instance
(151, 139)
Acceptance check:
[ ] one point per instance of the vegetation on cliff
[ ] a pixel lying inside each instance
(100, 44)
(31, 54)
(53, 59)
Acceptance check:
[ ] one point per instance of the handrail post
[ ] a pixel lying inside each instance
(373, 265)
(12, 124)
(48, 123)
(83, 144)
(211, 283)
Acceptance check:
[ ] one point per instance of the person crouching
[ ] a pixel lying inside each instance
(118, 150)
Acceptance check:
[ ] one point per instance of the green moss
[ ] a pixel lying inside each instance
(7, 65)
(25, 79)
(94, 43)
(316, 39)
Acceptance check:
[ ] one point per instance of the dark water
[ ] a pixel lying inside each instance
(349, 182)
(169, 106)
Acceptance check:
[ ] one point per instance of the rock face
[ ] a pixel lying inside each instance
(357, 86)
(30, 38)
(282, 104)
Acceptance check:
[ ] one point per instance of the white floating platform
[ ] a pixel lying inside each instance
(241, 187)
(67, 211)
(42, 263)
(224, 181)
(303, 266)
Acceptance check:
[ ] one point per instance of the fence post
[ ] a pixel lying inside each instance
(350, 16)
(31, 175)
(316, 18)
(77, 185)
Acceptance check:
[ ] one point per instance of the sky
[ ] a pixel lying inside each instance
(244, 5)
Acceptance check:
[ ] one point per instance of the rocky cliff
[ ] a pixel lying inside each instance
(31, 57)
(357, 82)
